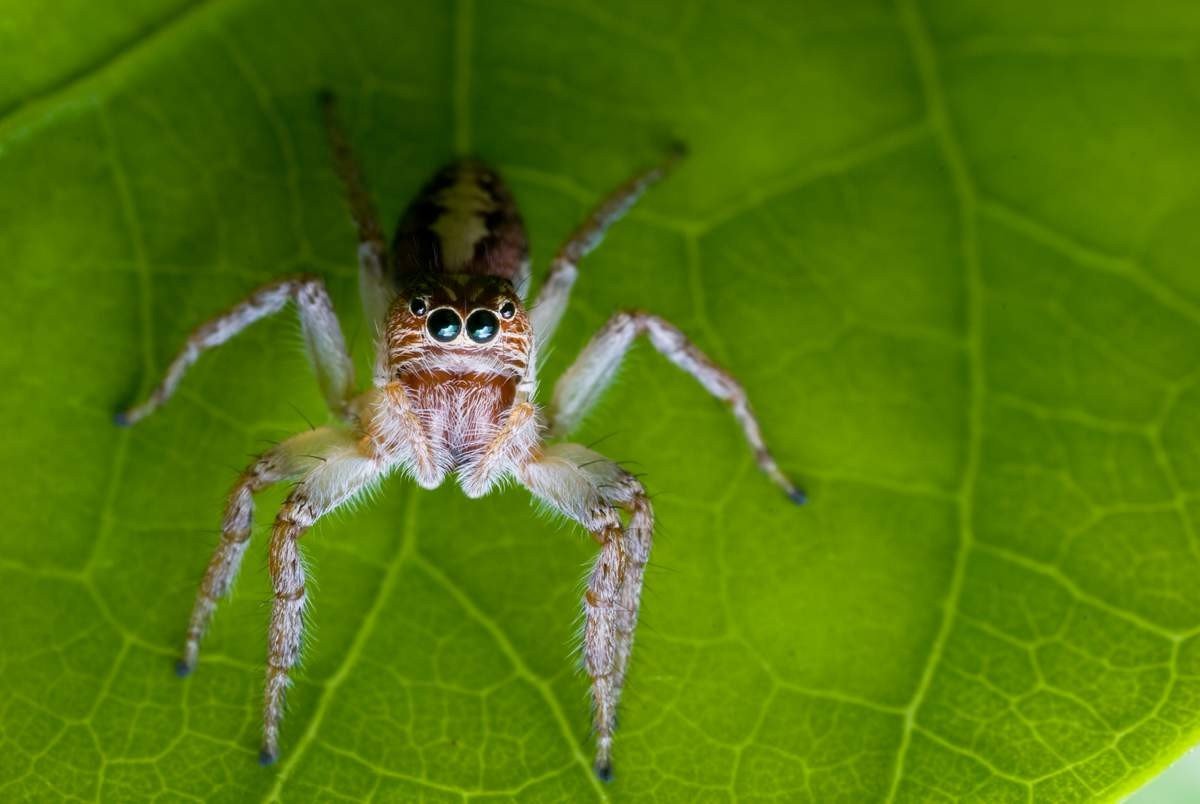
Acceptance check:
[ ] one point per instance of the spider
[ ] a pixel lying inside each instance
(455, 378)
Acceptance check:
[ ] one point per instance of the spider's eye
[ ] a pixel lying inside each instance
(508, 310)
(417, 306)
(482, 326)
(444, 325)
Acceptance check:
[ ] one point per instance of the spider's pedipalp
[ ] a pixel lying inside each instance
(594, 491)
(517, 439)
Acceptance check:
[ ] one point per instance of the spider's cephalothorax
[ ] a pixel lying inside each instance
(460, 347)
(455, 379)
(458, 323)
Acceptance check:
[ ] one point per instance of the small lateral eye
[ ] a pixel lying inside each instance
(508, 310)
(417, 306)
(444, 325)
(482, 326)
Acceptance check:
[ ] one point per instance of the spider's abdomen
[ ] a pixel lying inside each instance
(462, 413)
(464, 221)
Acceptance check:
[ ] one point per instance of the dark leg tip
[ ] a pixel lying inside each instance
(183, 669)
(267, 758)
(604, 772)
(121, 419)
(325, 97)
(677, 149)
(797, 496)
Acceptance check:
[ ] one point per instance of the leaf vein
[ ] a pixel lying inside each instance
(928, 71)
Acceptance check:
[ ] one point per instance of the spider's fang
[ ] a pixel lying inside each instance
(183, 669)
(267, 758)
(604, 772)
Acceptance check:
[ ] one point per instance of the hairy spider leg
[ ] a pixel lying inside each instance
(373, 285)
(555, 292)
(287, 460)
(322, 338)
(592, 490)
(346, 466)
(581, 385)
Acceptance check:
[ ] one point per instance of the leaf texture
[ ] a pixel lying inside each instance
(948, 246)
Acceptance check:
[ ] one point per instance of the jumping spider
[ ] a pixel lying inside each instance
(455, 379)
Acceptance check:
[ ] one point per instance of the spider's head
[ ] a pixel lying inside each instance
(458, 323)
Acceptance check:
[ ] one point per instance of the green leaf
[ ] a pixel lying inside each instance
(948, 246)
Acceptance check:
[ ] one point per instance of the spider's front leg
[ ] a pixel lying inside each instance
(593, 491)
(290, 459)
(347, 465)
(579, 388)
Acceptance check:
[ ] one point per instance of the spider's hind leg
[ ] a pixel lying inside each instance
(373, 284)
(564, 268)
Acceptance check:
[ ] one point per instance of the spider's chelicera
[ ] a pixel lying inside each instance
(453, 394)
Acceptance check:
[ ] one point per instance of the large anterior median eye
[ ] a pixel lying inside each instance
(482, 326)
(444, 325)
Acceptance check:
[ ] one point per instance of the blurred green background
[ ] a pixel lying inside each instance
(948, 246)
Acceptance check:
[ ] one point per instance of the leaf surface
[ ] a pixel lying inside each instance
(947, 246)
